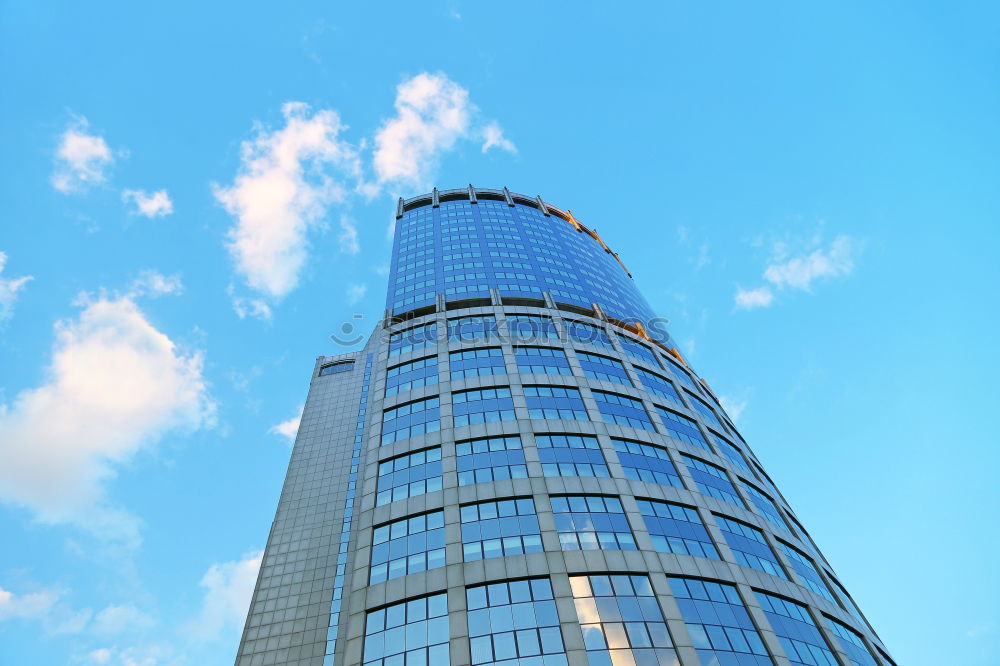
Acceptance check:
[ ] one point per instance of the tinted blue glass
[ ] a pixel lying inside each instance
(490, 459)
(409, 633)
(674, 528)
(799, 636)
(682, 428)
(602, 367)
(680, 373)
(554, 402)
(571, 455)
(411, 419)
(623, 410)
(621, 621)
(408, 545)
(336, 368)
(658, 385)
(486, 405)
(712, 480)
(766, 506)
(731, 453)
(514, 622)
(591, 522)
(851, 643)
(541, 361)
(461, 249)
(646, 462)
(500, 528)
(718, 622)
(749, 546)
(704, 410)
(482, 362)
(412, 339)
(638, 351)
(476, 327)
(409, 475)
(531, 327)
(408, 376)
(806, 570)
(588, 334)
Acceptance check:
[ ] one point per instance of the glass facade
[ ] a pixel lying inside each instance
(519, 394)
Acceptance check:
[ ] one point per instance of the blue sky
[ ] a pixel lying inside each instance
(196, 196)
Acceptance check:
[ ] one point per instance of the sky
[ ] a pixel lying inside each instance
(196, 197)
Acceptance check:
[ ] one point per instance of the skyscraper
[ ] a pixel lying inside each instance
(519, 467)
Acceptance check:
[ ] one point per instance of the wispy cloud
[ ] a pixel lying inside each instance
(47, 606)
(154, 283)
(228, 590)
(115, 385)
(733, 406)
(288, 429)
(9, 289)
(288, 177)
(149, 204)
(493, 138)
(348, 236)
(81, 158)
(355, 292)
(800, 271)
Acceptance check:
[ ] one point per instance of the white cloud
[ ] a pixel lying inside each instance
(81, 159)
(348, 236)
(356, 292)
(799, 272)
(432, 112)
(9, 289)
(150, 204)
(114, 620)
(748, 299)
(115, 385)
(493, 138)
(154, 283)
(733, 406)
(282, 190)
(289, 428)
(100, 655)
(45, 606)
(228, 590)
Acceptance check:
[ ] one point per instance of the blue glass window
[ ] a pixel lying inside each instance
(602, 367)
(712, 480)
(409, 475)
(476, 327)
(706, 412)
(718, 622)
(749, 546)
(658, 385)
(514, 622)
(490, 459)
(336, 368)
(806, 570)
(731, 453)
(411, 419)
(680, 373)
(623, 410)
(766, 506)
(621, 621)
(591, 522)
(408, 545)
(483, 362)
(541, 361)
(851, 643)
(646, 462)
(487, 405)
(674, 528)
(412, 339)
(532, 327)
(638, 351)
(554, 402)
(798, 633)
(587, 334)
(500, 528)
(408, 376)
(571, 455)
(682, 428)
(410, 633)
